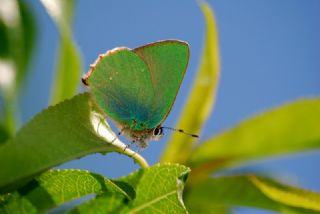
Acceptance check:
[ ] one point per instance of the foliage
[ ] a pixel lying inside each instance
(17, 36)
(129, 194)
(69, 61)
(76, 127)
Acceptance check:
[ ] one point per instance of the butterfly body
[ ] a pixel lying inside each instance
(136, 88)
(141, 138)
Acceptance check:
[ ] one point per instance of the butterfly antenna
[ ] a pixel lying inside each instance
(180, 130)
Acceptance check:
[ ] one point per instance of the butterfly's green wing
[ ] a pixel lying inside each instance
(121, 85)
(138, 87)
(167, 61)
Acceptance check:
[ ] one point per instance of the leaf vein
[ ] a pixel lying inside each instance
(150, 203)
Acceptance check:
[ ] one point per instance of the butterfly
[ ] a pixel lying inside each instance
(137, 88)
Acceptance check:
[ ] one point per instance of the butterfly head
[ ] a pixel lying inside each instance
(143, 137)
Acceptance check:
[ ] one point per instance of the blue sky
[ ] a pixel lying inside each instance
(269, 55)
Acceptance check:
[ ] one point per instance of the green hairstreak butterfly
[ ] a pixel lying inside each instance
(136, 88)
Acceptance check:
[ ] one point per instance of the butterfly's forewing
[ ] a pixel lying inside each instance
(121, 84)
(167, 62)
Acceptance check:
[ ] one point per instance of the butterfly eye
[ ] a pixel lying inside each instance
(157, 131)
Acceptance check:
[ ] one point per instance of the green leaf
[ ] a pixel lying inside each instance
(105, 203)
(13, 203)
(28, 37)
(288, 195)
(4, 45)
(68, 68)
(68, 72)
(207, 207)
(290, 128)
(251, 191)
(203, 93)
(227, 191)
(56, 187)
(9, 111)
(158, 189)
(4, 135)
(17, 36)
(69, 130)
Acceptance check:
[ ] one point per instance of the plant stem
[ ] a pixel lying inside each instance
(102, 128)
(124, 149)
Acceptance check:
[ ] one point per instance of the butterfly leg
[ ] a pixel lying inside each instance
(129, 145)
(140, 149)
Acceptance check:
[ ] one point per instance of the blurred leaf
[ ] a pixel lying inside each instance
(17, 36)
(290, 128)
(69, 130)
(291, 196)
(203, 93)
(9, 113)
(158, 190)
(28, 37)
(56, 187)
(68, 72)
(227, 191)
(250, 191)
(4, 44)
(207, 207)
(68, 68)
(4, 135)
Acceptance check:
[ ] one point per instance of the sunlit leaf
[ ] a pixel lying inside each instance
(158, 189)
(105, 203)
(203, 93)
(69, 130)
(56, 187)
(251, 191)
(288, 195)
(167, 182)
(68, 68)
(290, 128)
